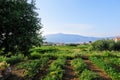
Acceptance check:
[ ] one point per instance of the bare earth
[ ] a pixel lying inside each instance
(43, 72)
(69, 72)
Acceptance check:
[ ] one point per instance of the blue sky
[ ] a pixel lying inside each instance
(100, 18)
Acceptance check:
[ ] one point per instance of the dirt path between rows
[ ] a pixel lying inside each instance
(69, 72)
(92, 67)
(43, 72)
(15, 74)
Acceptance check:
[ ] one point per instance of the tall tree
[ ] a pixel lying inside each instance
(19, 25)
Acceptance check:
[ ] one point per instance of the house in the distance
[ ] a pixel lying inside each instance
(116, 39)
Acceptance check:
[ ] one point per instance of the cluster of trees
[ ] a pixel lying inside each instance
(19, 25)
(106, 45)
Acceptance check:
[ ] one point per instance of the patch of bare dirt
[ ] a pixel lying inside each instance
(16, 74)
(69, 72)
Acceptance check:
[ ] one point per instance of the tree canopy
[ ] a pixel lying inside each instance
(108, 44)
(19, 25)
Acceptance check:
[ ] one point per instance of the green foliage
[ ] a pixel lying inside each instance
(35, 68)
(32, 67)
(37, 52)
(108, 61)
(84, 47)
(35, 55)
(2, 51)
(115, 61)
(100, 45)
(107, 67)
(117, 46)
(4, 65)
(89, 75)
(59, 63)
(106, 45)
(56, 70)
(15, 59)
(72, 44)
(107, 53)
(2, 58)
(79, 65)
(19, 25)
(43, 49)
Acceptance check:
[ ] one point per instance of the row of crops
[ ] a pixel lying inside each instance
(56, 68)
(82, 71)
(32, 65)
(107, 64)
(32, 68)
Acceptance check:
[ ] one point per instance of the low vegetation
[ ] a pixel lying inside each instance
(79, 65)
(30, 66)
(107, 67)
(56, 70)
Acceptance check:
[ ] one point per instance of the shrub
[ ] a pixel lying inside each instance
(3, 65)
(72, 44)
(35, 55)
(117, 46)
(105, 45)
(15, 59)
(2, 51)
(100, 45)
(2, 58)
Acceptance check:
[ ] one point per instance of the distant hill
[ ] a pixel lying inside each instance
(68, 38)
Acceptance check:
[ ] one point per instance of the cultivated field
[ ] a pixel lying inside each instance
(64, 63)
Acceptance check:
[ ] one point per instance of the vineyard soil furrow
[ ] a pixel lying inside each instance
(69, 72)
(94, 68)
(43, 72)
(16, 74)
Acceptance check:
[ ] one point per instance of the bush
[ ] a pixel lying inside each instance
(35, 55)
(106, 45)
(117, 46)
(3, 66)
(2, 58)
(72, 44)
(100, 45)
(2, 51)
(15, 59)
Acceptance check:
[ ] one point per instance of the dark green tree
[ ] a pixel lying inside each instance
(19, 25)
(99, 45)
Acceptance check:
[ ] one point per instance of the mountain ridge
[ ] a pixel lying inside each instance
(69, 38)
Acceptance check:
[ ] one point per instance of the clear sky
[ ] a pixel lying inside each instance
(100, 18)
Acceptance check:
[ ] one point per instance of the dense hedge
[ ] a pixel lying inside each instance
(106, 45)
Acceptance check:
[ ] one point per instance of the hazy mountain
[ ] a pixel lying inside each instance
(68, 38)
